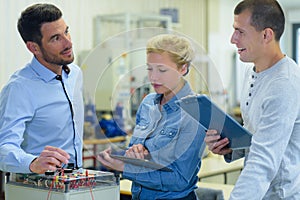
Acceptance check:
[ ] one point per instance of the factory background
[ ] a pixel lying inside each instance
(109, 39)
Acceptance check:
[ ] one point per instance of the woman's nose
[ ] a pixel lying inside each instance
(152, 76)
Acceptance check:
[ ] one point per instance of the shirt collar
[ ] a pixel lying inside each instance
(186, 90)
(43, 72)
(270, 70)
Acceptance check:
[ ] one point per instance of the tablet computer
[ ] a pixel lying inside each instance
(142, 162)
(202, 109)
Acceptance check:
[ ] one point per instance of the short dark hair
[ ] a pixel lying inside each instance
(33, 17)
(265, 14)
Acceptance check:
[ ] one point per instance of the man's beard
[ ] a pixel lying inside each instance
(55, 60)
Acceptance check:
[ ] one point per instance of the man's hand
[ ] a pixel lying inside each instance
(217, 146)
(49, 159)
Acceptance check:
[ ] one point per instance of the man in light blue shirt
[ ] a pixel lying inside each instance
(41, 107)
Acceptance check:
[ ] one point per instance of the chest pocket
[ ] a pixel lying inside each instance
(166, 138)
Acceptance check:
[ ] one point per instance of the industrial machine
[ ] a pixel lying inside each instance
(63, 184)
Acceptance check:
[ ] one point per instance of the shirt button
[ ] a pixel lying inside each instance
(249, 94)
(170, 134)
(251, 85)
(247, 103)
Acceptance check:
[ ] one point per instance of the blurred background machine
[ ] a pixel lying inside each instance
(114, 71)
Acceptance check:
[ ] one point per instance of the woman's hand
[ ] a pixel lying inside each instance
(137, 151)
(109, 162)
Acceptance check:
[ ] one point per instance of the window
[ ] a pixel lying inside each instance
(296, 43)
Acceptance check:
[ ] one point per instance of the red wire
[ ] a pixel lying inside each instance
(91, 191)
(51, 186)
(88, 184)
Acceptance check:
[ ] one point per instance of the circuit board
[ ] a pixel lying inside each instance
(64, 180)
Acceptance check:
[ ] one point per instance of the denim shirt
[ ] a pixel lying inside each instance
(174, 140)
(270, 106)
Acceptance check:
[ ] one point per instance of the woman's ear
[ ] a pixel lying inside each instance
(33, 47)
(185, 69)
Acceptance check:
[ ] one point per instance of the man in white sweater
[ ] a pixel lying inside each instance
(270, 106)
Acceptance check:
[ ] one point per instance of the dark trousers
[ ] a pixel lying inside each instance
(190, 196)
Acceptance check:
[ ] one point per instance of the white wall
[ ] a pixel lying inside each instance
(79, 14)
(293, 17)
(215, 36)
(220, 49)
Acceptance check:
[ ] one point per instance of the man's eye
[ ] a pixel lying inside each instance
(55, 38)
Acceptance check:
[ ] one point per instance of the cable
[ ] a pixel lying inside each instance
(59, 77)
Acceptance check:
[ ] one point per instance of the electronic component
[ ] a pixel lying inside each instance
(66, 183)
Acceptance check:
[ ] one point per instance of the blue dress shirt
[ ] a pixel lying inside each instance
(35, 112)
(174, 139)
